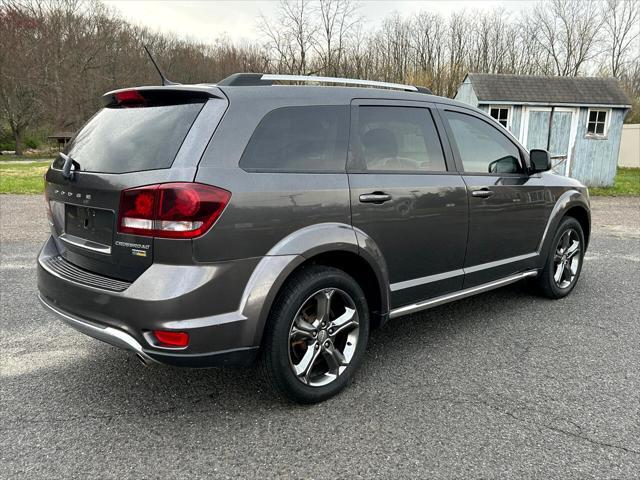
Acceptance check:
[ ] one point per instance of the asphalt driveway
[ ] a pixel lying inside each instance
(502, 385)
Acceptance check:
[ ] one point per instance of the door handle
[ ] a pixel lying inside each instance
(482, 193)
(375, 197)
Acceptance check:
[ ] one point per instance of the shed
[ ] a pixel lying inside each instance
(62, 138)
(577, 119)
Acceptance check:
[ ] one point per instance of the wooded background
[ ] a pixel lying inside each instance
(57, 57)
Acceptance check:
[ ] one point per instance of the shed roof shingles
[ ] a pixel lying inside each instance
(550, 90)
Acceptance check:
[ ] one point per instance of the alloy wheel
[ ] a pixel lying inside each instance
(323, 337)
(567, 258)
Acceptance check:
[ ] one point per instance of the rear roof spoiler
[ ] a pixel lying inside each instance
(186, 92)
(262, 79)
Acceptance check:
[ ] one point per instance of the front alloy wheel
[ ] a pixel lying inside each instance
(564, 262)
(567, 258)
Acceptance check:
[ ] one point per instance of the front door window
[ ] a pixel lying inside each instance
(483, 149)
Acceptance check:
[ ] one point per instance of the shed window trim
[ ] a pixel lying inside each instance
(598, 127)
(500, 112)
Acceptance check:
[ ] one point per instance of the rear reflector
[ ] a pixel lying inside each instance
(168, 338)
(171, 210)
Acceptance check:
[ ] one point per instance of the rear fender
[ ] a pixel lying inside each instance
(292, 251)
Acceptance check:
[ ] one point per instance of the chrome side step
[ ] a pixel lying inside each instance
(467, 292)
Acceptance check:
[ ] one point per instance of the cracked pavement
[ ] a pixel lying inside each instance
(505, 384)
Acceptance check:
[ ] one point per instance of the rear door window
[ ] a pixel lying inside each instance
(120, 140)
(396, 139)
(299, 139)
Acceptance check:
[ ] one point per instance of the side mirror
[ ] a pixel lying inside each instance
(540, 160)
(508, 164)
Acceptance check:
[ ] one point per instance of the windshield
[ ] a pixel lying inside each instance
(119, 140)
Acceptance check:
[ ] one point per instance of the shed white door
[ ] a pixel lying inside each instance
(563, 129)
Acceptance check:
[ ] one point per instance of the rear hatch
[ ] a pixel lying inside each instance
(144, 136)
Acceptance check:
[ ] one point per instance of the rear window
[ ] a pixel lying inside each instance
(300, 139)
(119, 140)
(402, 139)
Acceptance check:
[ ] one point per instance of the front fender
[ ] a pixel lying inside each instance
(568, 200)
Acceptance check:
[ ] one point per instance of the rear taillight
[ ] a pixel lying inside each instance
(171, 210)
(130, 98)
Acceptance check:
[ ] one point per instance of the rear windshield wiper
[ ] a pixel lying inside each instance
(66, 168)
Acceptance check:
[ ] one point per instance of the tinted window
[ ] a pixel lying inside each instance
(597, 121)
(482, 147)
(118, 140)
(501, 115)
(312, 139)
(397, 138)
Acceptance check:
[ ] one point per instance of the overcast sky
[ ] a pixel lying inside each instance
(208, 20)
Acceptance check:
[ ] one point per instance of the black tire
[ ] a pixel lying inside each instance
(277, 347)
(545, 280)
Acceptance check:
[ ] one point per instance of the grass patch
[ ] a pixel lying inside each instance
(627, 183)
(22, 177)
(26, 158)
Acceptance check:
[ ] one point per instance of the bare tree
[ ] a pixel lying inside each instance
(21, 83)
(429, 51)
(568, 31)
(457, 43)
(338, 19)
(622, 24)
(292, 36)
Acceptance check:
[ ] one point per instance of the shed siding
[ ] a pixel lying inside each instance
(537, 130)
(594, 160)
(516, 118)
(466, 93)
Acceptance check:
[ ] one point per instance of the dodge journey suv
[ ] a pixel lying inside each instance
(249, 221)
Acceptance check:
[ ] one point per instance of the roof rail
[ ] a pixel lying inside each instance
(257, 79)
(243, 80)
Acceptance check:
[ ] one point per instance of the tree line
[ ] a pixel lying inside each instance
(57, 57)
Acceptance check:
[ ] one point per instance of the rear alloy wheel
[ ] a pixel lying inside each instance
(564, 263)
(323, 337)
(316, 334)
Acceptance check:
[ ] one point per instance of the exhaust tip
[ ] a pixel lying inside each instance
(143, 360)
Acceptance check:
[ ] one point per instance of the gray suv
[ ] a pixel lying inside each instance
(246, 221)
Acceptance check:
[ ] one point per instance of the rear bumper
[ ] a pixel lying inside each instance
(199, 299)
(110, 335)
(120, 339)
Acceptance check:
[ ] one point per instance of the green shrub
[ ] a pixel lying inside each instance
(6, 140)
(30, 142)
